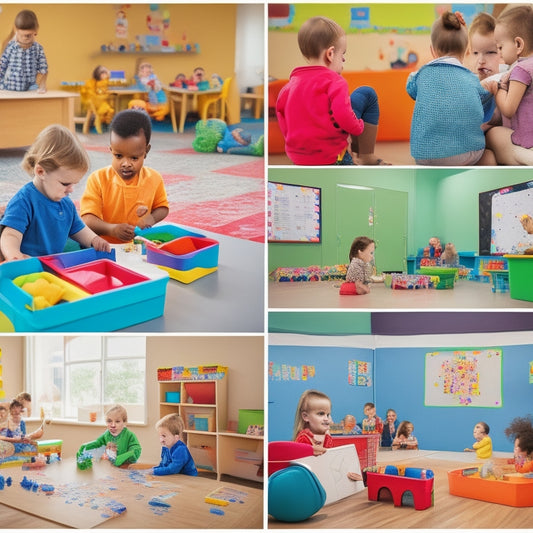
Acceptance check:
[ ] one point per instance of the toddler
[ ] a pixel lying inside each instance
(315, 111)
(521, 430)
(175, 456)
(128, 449)
(372, 423)
(126, 194)
(405, 439)
(389, 428)
(96, 91)
(483, 51)
(360, 267)
(41, 217)
(23, 65)
(157, 105)
(311, 424)
(483, 444)
(512, 142)
(450, 103)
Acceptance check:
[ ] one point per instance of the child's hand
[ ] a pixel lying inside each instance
(123, 232)
(147, 221)
(100, 245)
(352, 476)
(490, 85)
(318, 449)
(16, 256)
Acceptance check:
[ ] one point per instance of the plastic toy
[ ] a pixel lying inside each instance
(415, 483)
(96, 291)
(410, 281)
(84, 461)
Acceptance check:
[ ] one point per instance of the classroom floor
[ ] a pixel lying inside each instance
(448, 511)
(395, 153)
(325, 294)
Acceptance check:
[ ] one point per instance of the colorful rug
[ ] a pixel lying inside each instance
(220, 193)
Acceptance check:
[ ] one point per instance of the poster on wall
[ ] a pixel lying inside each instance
(531, 372)
(360, 373)
(466, 377)
(285, 372)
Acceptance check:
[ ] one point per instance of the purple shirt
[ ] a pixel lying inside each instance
(522, 121)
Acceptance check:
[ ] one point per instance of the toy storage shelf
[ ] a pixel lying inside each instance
(241, 455)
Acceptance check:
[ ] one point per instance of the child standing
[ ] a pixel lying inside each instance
(483, 444)
(521, 430)
(41, 217)
(126, 194)
(175, 456)
(315, 111)
(360, 267)
(371, 423)
(311, 424)
(450, 103)
(512, 142)
(23, 65)
(128, 449)
(404, 437)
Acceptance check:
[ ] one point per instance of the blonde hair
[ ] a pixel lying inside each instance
(55, 147)
(306, 399)
(173, 422)
(120, 409)
(318, 34)
(449, 35)
(519, 23)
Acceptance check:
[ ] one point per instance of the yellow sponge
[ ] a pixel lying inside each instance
(45, 294)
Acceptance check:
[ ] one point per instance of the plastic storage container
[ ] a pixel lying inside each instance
(520, 277)
(250, 417)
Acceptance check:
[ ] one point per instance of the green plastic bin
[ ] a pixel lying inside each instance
(520, 277)
(250, 417)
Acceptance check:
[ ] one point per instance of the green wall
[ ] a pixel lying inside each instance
(441, 202)
(325, 323)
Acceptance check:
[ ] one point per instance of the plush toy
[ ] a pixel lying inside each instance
(450, 255)
(214, 135)
(434, 249)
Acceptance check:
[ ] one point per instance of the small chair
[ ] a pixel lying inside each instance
(205, 101)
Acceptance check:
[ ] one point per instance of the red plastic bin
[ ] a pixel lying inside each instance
(366, 445)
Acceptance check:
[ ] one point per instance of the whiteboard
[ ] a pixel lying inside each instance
(294, 213)
(464, 378)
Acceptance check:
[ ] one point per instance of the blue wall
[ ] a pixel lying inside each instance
(331, 367)
(399, 383)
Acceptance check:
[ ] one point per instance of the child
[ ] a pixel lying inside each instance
(483, 50)
(450, 103)
(175, 456)
(372, 423)
(15, 428)
(512, 142)
(405, 439)
(311, 424)
(96, 91)
(360, 267)
(128, 449)
(521, 430)
(157, 105)
(3, 417)
(23, 65)
(126, 194)
(483, 444)
(315, 111)
(41, 217)
(25, 399)
(389, 428)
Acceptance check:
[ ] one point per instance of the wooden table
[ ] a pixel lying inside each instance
(82, 499)
(257, 98)
(121, 92)
(187, 100)
(23, 115)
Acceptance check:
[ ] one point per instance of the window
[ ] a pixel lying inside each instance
(79, 377)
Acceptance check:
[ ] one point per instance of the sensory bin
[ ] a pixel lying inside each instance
(310, 273)
(84, 290)
(520, 275)
(185, 255)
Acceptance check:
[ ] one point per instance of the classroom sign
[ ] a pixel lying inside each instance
(462, 378)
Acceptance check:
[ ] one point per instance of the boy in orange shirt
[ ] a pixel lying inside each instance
(125, 194)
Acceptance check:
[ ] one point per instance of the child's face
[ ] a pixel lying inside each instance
(145, 71)
(318, 416)
(166, 438)
(115, 423)
(506, 44)
(479, 432)
(198, 75)
(485, 55)
(337, 54)
(370, 412)
(25, 37)
(517, 450)
(57, 184)
(128, 154)
(409, 429)
(3, 415)
(367, 255)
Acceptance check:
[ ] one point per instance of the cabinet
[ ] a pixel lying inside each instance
(203, 406)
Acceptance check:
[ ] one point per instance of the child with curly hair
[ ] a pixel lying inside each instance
(521, 430)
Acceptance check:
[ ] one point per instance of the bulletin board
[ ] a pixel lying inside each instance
(464, 377)
(294, 213)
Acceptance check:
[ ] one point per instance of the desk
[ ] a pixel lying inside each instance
(74, 505)
(230, 299)
(187, 100)
(23, 115)
(131, 92)
(448, 512)
(257, 99)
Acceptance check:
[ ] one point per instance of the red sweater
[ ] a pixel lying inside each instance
(315, 116)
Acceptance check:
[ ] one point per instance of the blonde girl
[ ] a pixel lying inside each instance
(41, 217)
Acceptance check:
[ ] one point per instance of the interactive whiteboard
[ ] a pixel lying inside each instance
(293, 213)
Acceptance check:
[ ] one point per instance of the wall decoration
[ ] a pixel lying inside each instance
(531, 372)
(360, 373)
(284, 372)
(2, 392)
(466, 377)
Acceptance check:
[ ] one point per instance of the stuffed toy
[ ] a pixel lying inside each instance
(450, 255)
(434, 249)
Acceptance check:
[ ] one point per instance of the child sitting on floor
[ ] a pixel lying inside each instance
(521, 430)
(126, 194)
(483, 444)
(128, 449)
(360, 269)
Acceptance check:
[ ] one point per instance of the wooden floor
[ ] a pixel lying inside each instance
(448, 511)
(325, 294)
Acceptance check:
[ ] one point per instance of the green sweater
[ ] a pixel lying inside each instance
(128, 447)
